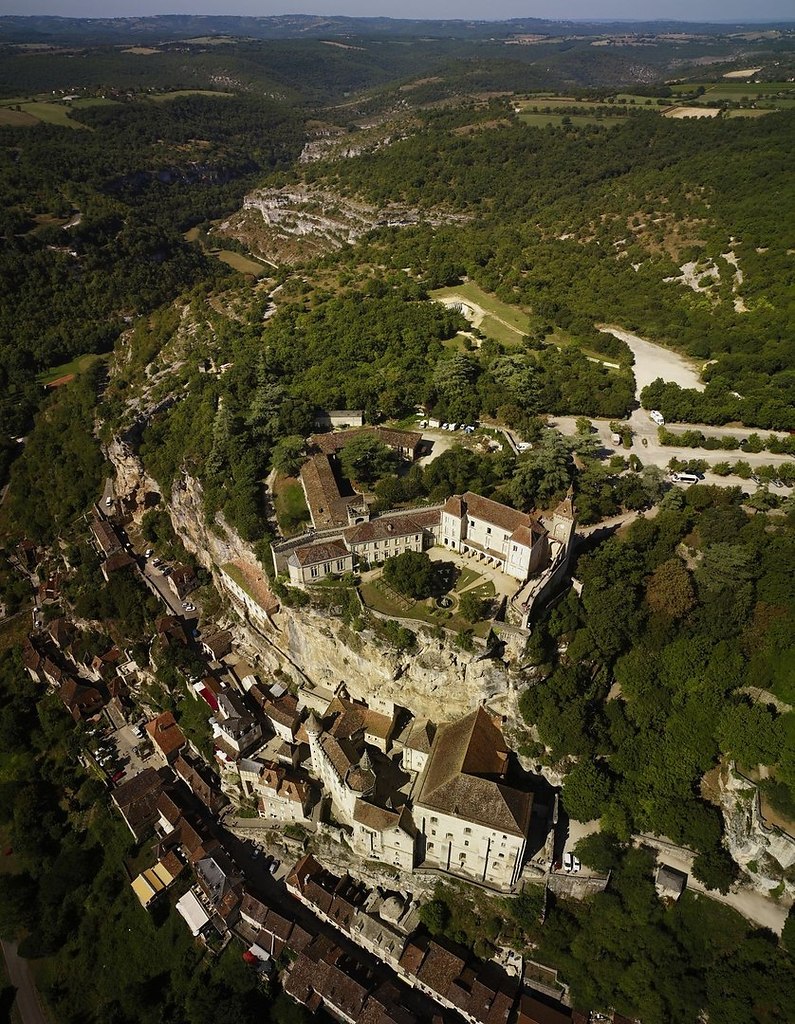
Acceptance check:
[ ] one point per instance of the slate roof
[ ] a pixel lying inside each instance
(326, 504)
(329, 444)
(313, 554)
(391, 526)
(464, 776)
(523, 528)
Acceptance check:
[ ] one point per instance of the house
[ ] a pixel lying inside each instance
(405, 442)
(332, 419)
(170, 632)
(670, 883)
(33, 660)
(313, 562)
(472, 821)
(221, 883)
(384, 835)
(234, 725)
(390, 535)
(166, 736)
(416, 741)
(82, 702)
(151, 882)
(281, 795)
(495, 534)
(250, 591)
(324, 498)
(212, 798)
(280, 707)
(217, 645)
(324, 976)
(354, 721)
(106, 540)
(61, 632)
(137, 801)
(537, 1010)
(182, 581)
(482, 993)
(115, 563)
(193, 913)
(342, 766)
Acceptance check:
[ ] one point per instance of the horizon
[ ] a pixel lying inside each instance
(615, 12)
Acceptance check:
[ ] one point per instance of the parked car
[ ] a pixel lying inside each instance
(274, 867)
(568, 861)
(576, 865)
(658, 417)
(148, 553)
(108, 502)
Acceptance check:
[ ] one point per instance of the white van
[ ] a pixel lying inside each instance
(685, 478)
(658, 417)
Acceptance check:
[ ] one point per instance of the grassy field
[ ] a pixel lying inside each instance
(52, 113)
(237, 261)
(775, 95)
(290, 506)
(77, 365)
(162, 96)
(502, 322)
(16, 118)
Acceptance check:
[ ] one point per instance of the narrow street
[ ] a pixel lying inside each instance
(21, 977)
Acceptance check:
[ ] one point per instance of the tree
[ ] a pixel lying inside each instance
(715, 868)
(669, 590)
(472, 607)
(288, 455)
(600, 851)
(411, 573)
(586, 790)
(435, 915)
(365, 459)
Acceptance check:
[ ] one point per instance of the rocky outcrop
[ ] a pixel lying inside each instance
(766, 854)
(288, 224)
(434, 681)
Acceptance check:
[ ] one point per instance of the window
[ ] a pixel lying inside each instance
(434, 821)
(430, 846)
(488, 529)
(472, 523)
(501, 855)
(467, 831)
(448, 835)
(466, 842)
(314, 571)
(515, 547)
(340, 565)
(433, 831)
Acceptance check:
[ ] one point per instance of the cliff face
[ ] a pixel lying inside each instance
(766, 854)
(435, 680)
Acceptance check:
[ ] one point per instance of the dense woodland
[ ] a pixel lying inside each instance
(638, 688)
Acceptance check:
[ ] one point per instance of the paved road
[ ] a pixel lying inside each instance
(27, 1001)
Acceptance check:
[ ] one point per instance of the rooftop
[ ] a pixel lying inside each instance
(465, 776)
(329, 444)
(313, 554)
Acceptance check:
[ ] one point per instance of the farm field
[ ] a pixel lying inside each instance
(777, 95)
(496, 319)
(52, 113)
(542, 120)
(16, 118)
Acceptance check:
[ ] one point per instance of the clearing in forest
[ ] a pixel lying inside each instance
(496, 319)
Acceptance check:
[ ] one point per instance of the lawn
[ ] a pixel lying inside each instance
(237, 261)
(504, 323)
(379, 596)
(77, 365)
(289, 503)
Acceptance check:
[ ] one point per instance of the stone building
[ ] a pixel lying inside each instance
(471, 820)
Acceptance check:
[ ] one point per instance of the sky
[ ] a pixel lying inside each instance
(685, 10)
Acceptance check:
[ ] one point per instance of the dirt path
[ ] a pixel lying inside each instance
(653, 361)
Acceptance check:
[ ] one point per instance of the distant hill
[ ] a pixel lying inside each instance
(55, 30)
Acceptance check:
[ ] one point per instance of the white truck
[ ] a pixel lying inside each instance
(658, 417)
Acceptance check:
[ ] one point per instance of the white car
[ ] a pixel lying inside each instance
(108, 502)
(148, 553)
(568, 861)
(658, 417)
(576, 865)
